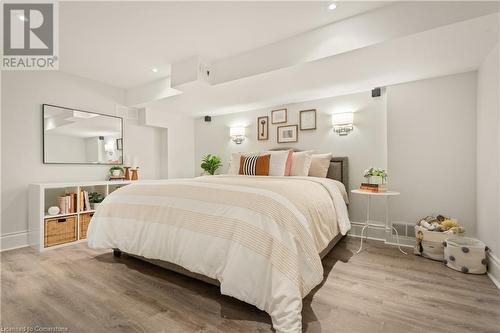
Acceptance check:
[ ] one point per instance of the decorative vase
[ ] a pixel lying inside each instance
(116, 173)
(95, 205)
(54, 210)
(127, 172)
(135, 174)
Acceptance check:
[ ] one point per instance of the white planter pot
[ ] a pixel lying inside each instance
(116, 173)
(376, 180)
(95, 205)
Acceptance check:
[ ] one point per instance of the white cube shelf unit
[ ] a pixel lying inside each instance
(43, 196)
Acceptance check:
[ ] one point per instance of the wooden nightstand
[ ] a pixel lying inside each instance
(388, 225)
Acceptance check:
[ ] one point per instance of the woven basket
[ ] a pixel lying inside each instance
(84, 224)
(430, 243)
(60, 230)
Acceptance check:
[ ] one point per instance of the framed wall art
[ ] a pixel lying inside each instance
(307, 120)
(279, 116)
(263, 128)
(288, 133)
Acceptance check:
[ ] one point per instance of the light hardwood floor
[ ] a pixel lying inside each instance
(379, 290)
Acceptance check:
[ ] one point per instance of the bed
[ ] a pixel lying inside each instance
(261, 239)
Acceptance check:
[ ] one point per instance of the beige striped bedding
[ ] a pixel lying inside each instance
(259, 236)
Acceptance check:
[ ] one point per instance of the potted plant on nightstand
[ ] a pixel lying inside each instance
(210, 163)
(376, 176)
(95, 199)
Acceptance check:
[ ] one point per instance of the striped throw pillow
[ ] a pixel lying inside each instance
(255, 165)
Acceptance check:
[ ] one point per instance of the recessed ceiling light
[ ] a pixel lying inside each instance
(154, 70)
(332, 6)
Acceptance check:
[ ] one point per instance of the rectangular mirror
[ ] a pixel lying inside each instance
(79, 137)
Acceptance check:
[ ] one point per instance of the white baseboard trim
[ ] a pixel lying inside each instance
(493, 268)
(14, 240)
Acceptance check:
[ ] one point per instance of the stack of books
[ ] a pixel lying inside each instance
(84, 201)
(373, 187)
(67, 203)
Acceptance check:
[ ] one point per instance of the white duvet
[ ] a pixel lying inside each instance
(259, 236)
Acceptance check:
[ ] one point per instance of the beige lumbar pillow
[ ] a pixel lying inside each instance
(301, 161)
(319, 165)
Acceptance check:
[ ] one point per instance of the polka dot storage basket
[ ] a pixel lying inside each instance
(430, 244)
(464, 254)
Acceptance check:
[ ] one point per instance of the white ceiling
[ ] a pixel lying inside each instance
(119, 42)
(446, 50)
(270, 53)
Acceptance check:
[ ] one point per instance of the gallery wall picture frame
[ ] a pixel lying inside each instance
(307, 120)
(279, 116)
(263, 128)
(287, 133)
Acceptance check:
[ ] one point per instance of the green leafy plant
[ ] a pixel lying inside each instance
(210, 163)
(115, 167)
(372, 172)
(95, 197)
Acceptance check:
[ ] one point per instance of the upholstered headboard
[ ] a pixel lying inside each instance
(338, 168)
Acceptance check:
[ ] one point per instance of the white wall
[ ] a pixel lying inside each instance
(365, 146)
(180, 137)
(432, 148)
(23, 93)
(488, 151)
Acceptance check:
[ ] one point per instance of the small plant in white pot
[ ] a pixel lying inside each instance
(116, 171)
(95, 199)
(376, 176)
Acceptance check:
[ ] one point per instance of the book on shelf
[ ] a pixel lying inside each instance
(80, 204)
(375, 188)
(87, 201)
(84, 203)
(67, 203)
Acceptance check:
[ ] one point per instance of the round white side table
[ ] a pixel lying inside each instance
(388, 225)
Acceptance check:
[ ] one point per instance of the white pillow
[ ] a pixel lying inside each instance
(319, 165)
(301, 162)
(233, 167)
(277, 164)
